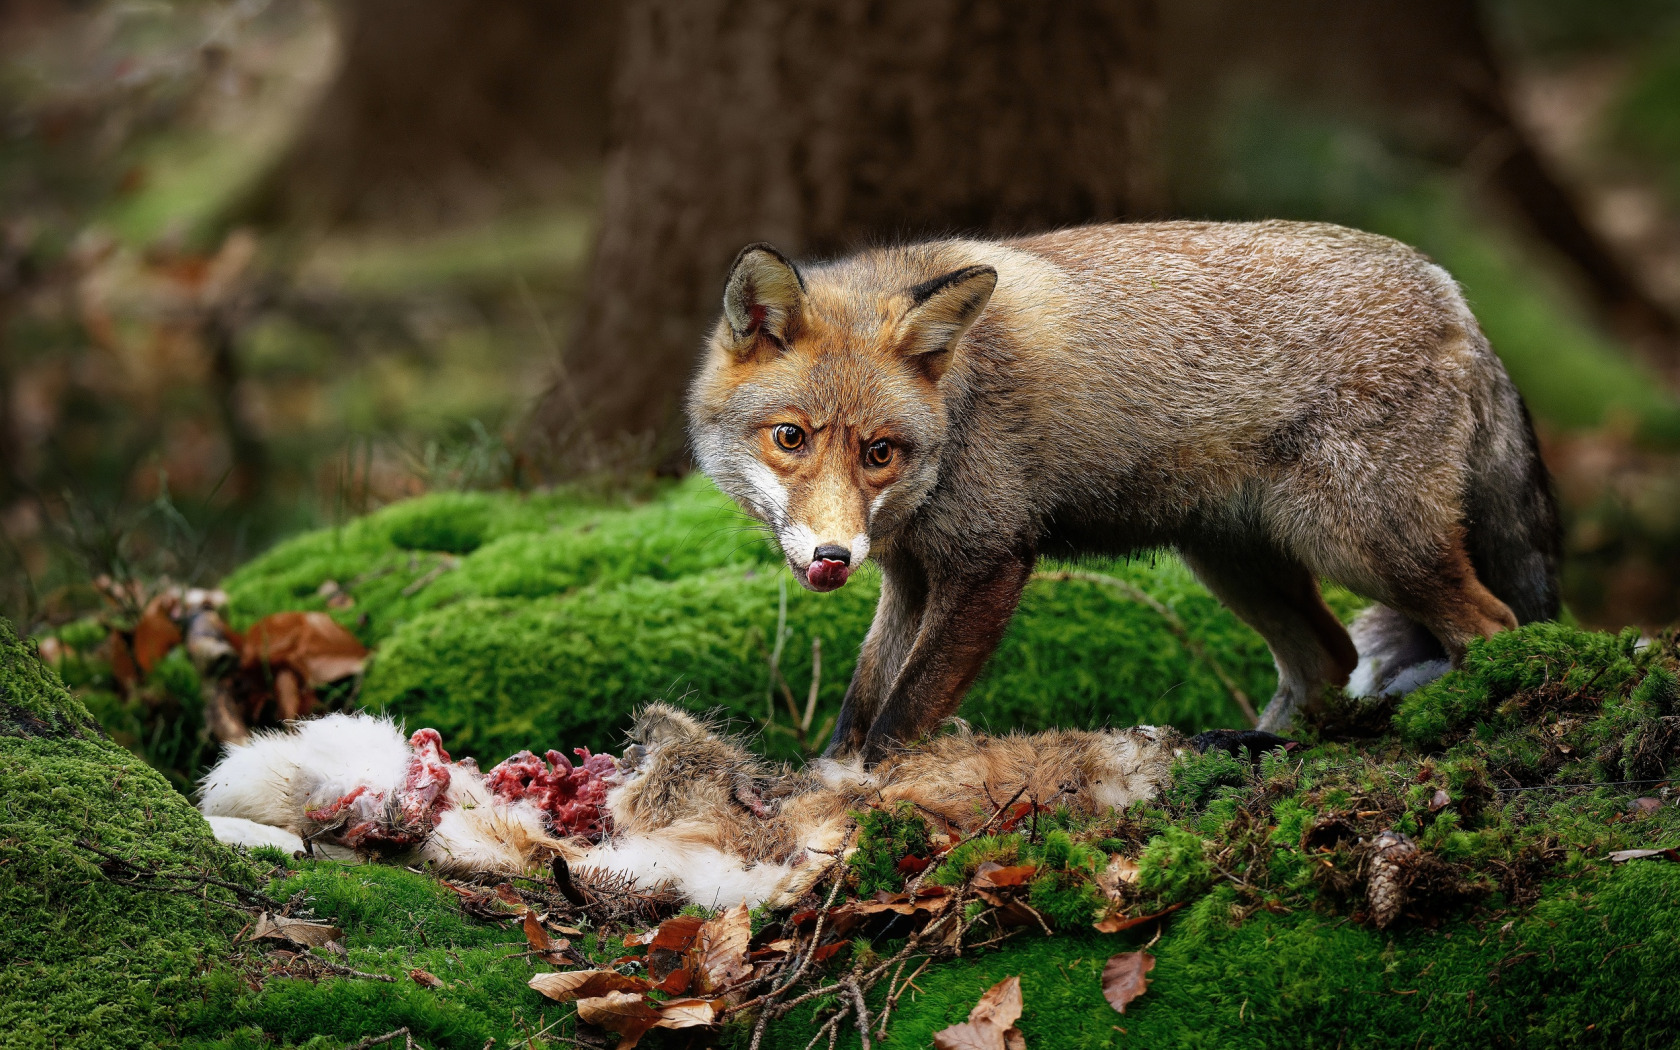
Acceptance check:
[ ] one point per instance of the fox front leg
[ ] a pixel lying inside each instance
(898, 619)
(964, 620)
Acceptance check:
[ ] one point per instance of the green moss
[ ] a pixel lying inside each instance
(90, 962)
(1562, 974)
(436, 550)
(498, 675)
(1552, 659)
(886, 837)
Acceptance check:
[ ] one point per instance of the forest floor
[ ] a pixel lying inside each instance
(1272, 909)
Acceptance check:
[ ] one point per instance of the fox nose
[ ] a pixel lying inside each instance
(832, 552)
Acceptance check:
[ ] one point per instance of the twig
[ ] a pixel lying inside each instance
(830, 1027)
(380, 1040)
(251, 898)
(346, 971)
(861, 1010)
(1174, 624)
(894, 990)
(816, 682)
(805, 960)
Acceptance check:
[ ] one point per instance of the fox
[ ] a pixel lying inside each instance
(1277, 402)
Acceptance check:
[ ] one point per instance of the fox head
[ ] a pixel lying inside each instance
(820, 405)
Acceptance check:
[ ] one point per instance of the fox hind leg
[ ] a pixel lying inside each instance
(1279, 598)
(1451, 602)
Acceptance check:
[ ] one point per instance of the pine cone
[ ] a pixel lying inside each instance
(1391, 852)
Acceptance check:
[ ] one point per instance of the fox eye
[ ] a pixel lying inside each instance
(878, 454)
(788, 436)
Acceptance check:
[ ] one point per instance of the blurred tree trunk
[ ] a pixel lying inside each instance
(445, 109)
(818, 125)
(1426, 72)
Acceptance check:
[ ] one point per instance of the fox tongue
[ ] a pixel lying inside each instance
(826, 574)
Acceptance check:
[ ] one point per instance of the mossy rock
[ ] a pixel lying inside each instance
(437, 550)
(496, 675)
(567, 614)
(89, 962)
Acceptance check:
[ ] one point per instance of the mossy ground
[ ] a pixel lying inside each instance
(511, 621)
(88, 962)
(504, 621)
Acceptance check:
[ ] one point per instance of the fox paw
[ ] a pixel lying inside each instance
(1255, 741)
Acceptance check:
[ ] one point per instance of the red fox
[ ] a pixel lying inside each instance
(1278, 402)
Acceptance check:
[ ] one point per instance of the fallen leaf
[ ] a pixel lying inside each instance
(1123, 978)
(1645, 806)
(1001, 1005)
(1622, 856)
(912, 865)
(1116, 923)
(626, 1013)
(567, 985)
(1440, 800)
(991, 1024)
(992, 875)
(828, 951)
(720, 949)
(310, 643)
(676, 982)
(689, 1013)
(570, 930)
(425, 979)
(156, 633)
(675, 934)
(298, 931)
(508, 895)
(537, 937)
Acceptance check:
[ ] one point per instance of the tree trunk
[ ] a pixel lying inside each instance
(820, 124)
(1426, 71)
(443, 110)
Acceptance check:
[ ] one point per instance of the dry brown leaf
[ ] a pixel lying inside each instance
(720, 949)
(585, 984)
(1440, 800)
(123, 668)
(425, 979)
(1001, 1005)
(991, 1024)
(309, 643)
(537, 937)
(689, 1013)
(675, 934)
(626, 1013)
(1116, 923)
(156, 633)
(992, 875)
(298, 931)
(1644, 807)
(1123, 978)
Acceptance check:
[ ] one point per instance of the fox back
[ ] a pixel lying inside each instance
(1313, 397)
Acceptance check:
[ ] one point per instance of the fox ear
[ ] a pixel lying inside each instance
(941, 311)
(764, 294)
